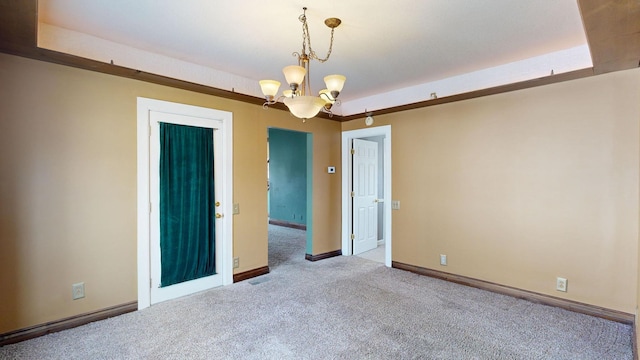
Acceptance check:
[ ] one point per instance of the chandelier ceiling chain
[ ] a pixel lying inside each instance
(297, 98)
(306, 38)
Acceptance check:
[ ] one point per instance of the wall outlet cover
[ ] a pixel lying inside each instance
(561, 284)
(77, 291)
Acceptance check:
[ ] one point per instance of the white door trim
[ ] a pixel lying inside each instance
(347, 136)
(145, 106)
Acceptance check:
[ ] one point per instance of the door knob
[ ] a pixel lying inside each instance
(219, 216)
(217, 203)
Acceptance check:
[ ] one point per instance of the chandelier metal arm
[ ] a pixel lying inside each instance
(271, 100)
(333, 98)
(327, 111)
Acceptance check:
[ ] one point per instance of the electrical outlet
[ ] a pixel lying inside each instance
(561, 284)
(77, 291)
(236, 263)
(443, 260)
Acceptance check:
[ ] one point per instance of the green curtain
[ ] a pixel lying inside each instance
(187, 203)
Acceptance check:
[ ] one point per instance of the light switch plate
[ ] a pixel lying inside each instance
(331, 169)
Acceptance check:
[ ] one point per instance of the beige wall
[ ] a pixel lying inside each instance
(68, 186)
(516, 188)
(523, 187)
(250, 181)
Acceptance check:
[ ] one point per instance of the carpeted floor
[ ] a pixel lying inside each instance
(338, 308)
(286, 246)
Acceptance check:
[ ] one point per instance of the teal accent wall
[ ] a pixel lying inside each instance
(288, 176)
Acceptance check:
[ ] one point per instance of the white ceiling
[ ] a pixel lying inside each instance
(392, 52)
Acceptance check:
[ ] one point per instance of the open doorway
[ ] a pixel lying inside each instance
(289, 191)
(373, 140)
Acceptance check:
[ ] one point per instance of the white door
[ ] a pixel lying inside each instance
(159, 294)
(365, 195)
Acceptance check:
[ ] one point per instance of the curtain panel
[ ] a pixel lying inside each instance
(187, 203)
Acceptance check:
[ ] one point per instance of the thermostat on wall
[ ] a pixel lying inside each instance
(331, 169)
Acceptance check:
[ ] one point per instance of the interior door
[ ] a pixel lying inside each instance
(365, 195)
(159, 294)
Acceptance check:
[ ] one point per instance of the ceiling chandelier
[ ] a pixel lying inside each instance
(298, 97)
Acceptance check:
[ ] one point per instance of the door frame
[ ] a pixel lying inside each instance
(309, 194)
(347, 137)
(144, 107)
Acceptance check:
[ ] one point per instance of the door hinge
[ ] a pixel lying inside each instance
(353, 236)
(150, 283)
(353, 151)
(353, 194)
(150, 208)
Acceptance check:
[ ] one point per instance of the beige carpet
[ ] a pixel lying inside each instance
(338, 308)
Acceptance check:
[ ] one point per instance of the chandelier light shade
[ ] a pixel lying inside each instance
(296, 97)
(304, 107)
(269, 87)
(334, 83)
(294, 75)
